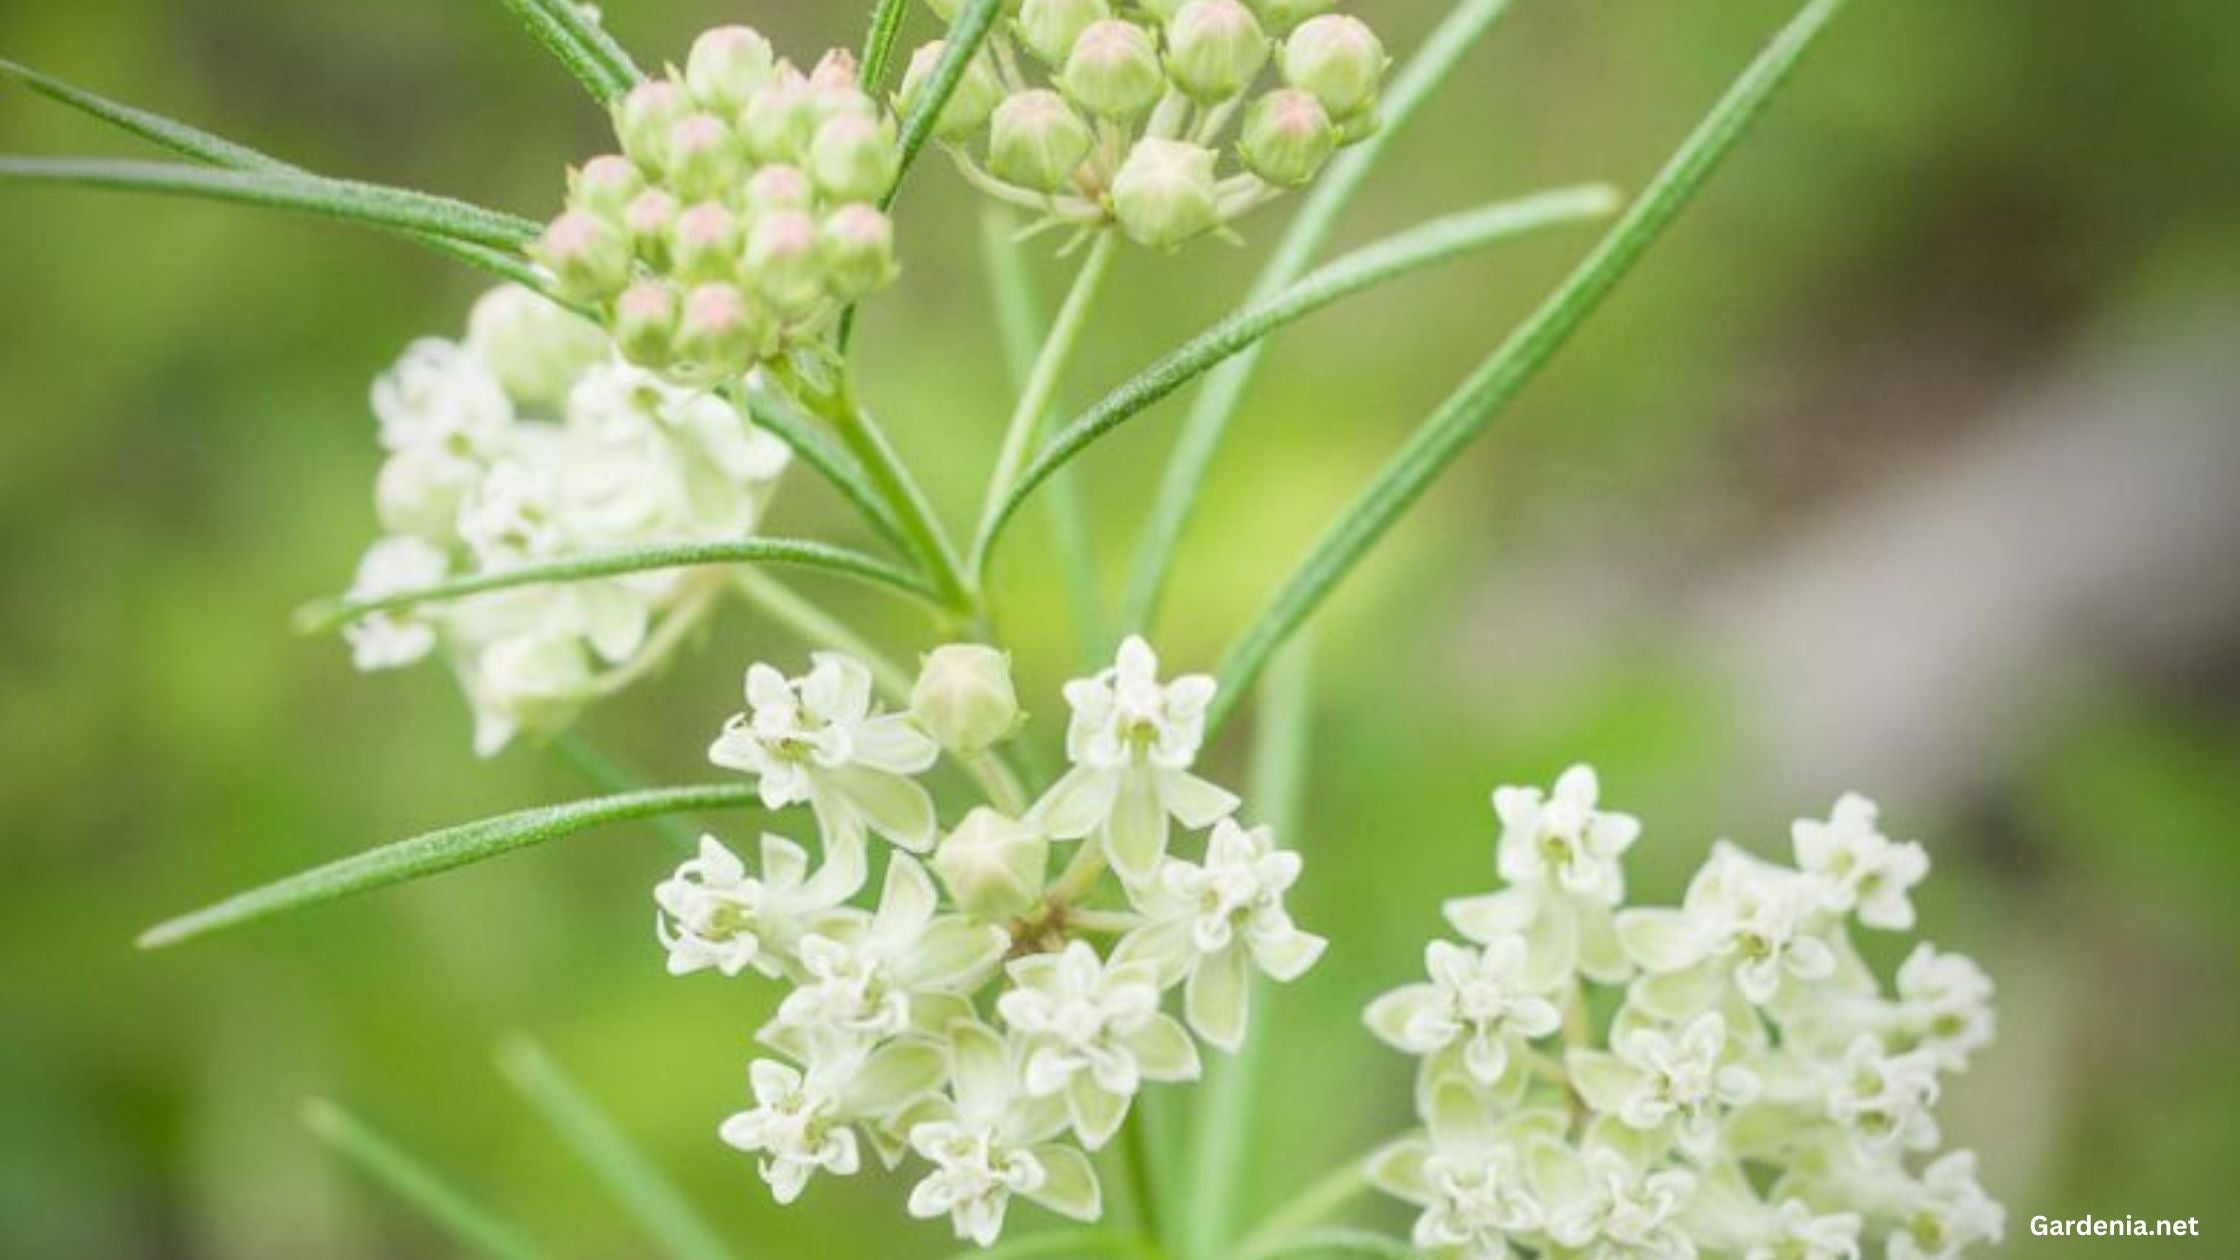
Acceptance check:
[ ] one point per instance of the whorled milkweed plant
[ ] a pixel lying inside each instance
(978, 968)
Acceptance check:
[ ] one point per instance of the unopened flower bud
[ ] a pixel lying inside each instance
(1038, 141)
(854, 158)
(857, 245)
(644, 117)
(1282, 15)
(782, 261)
(1287, 136)
(778, 187)
(721, 332)
(645, 323)
(588, 255)
(535, 347)
(604, 185)
(1114, 71)
(1164, 192)
(1338, 58)
(1215, 49)
(780, 120)
(836, 72)
(704, 244)
(647, 221)
(704, 156)
(727, 66)
(993, 866)
(967, 109)
(964, 698)
(1049, 27)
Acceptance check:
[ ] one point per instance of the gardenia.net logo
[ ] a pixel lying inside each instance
(2113, 1226)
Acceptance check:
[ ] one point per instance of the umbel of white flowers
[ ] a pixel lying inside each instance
(531, 440)
(1757, 1091)
(985, 1022)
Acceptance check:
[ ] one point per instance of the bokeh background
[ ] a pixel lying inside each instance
(1909, 462)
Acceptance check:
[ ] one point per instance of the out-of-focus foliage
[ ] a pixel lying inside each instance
(1953, 198)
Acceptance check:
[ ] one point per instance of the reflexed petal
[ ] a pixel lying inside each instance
(1397, 1169)
(891, 805)
(1135, 834)
(896, 1073)
(1603, 1079)
(1218, 998)
(955, 952)
(1164, 1051)
(1551, 946)
(1660, 940)
(1394, 1016)
(1076, 803)
(1193, 801)
(837, 688)
(1287, 955)
(894, 744)
(784, 863)
(906, 903)
(1459, 1117)
(980, 1068)
(1602, 956)
(1677, 995)
(1069, 1185)
(1164, 944)
(1494, 914)
(1096, 1113)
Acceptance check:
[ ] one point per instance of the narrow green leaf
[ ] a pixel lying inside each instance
(780, 415)
(330, 614)
(879, 41)
(396, 209)
(1335, 1189)
(1465, 414)
(1388, 259)
(439, 851)
(569, 32)
(172, 134)
(659, 1208)
(975, 18)
(606, 773)
(418, 1185)
(1215, 406)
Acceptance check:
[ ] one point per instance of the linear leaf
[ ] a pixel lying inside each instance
(1465, 414)
(423, 1188)
(970, 30)
(879, 41)
(330, 614)
(779, 414)
(667, 1217)
(439, 851)
(1388, 259)
(570, 33)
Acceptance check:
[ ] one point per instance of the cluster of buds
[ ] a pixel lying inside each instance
(741, 216)
(982, 1020)
(1754, 1091)
(531, 441)
(1100, 112)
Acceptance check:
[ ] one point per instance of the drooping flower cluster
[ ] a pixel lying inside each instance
(995, 1034)
(1096, 112)
(1753, 1090)
(740, 217)
(530, 441)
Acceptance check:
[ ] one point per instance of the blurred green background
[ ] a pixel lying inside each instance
(1908, 463)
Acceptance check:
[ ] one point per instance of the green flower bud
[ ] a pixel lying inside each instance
(643, 119)
(727, 66)
(704, 156)
(1038, 141)
(783, 263)
(704, 243)
(534, 346)
(1336, 57)
(778, 123)
(857, 245)
(1287, 136)
(1215, 49)
(854, 158)
(645, 323)
(993, 866)
(967, 109)
(646, 221)
(1282, 15)
(964, 698)
(1114, 71)
(1164, 192)
(778, 187)
(1049, 27)
(589, 256)
(604, 185)
(721, 332)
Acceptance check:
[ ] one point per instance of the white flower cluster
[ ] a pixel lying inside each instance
(1752, 1090)
(530, 441)
(996, 1034)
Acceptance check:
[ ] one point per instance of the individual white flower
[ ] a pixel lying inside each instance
(795, 1126)
(816, 739)
(513, 515)
(1859, 867)
(1743, 918)
(1604, 1205)
(990, 1141)
(1214, 923)
(1093, 1034)
(1947, 1213)
(1655, 1079)
(1476, 1002)
(1885, 1099)
(861, 971)
(440, 397)
(712, 913)
(1794, 1232)
(1132, 741)
(1561, 838)
(1944, 1003)
(398, 636)
(1467, 1174)
(530, 682)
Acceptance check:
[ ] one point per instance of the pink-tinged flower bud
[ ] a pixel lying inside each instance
(1215, 49)
(721, 332)
(646, 221)
(780, 119)
(854, 158)
(1049, 27)
(645, 323)
(836, 72)
(1287, 136)
(783, 262)
(993, 866)
(704, 156)
(727, 66)
(967, 109)
(604, 185)
(1164, 193)
(1338, 58)
(704, 243)
(777, 187)
(586, 254)
(1038, 141)
(1282, 15)
(643, 119)
(1114, 71)
(857, 246)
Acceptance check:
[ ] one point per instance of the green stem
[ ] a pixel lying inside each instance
(415, 1183)
(1135, 1154)
(1336, 1189)
(912, 510)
